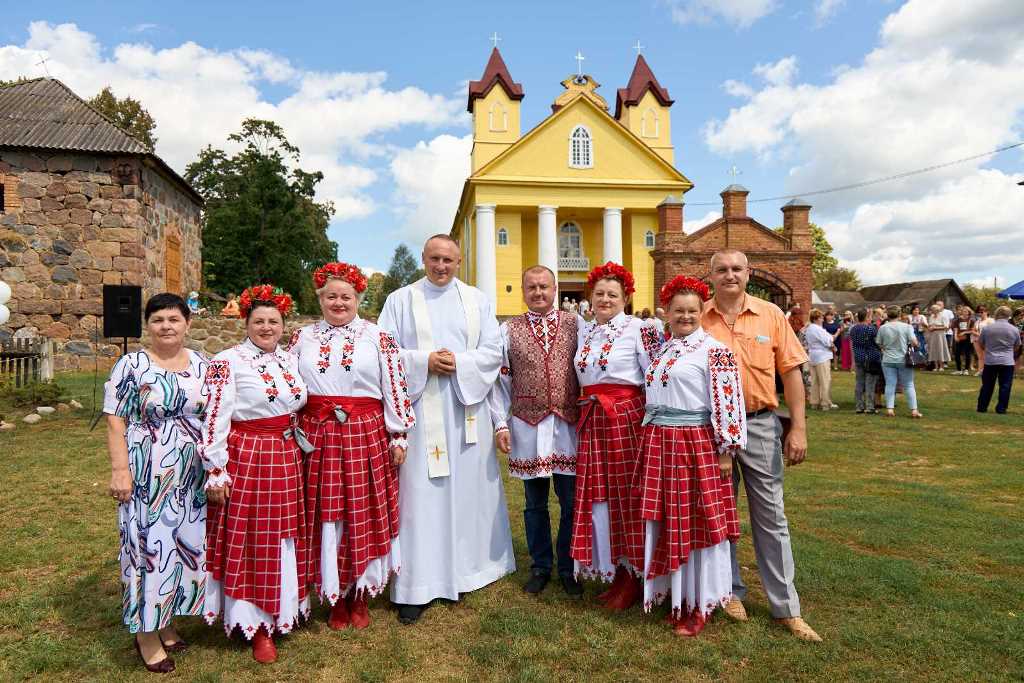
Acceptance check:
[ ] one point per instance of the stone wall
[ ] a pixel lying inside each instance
(76, 222)
(213, 335)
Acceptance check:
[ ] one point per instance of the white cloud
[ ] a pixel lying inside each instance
(824, 10)
(989, 281)
(737, 88)
(200, 95)
(945, 82)
(690, 227)
(429, 177)
(739, 13)
(142, 28)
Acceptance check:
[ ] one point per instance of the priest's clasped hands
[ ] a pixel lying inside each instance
(441, 362)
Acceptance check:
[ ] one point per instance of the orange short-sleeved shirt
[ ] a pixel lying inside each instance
(763, 342)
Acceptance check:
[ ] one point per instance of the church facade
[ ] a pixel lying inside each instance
(581, 188)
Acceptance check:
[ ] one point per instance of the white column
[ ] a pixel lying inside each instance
(613, 235)
(486, 261)
(547, 238)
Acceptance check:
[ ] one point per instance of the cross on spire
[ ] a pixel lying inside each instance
(42, 62)
(495, 39)
(733, 171)
(638, 47)
(579, 63)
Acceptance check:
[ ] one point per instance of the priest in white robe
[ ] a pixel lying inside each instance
(453, 519)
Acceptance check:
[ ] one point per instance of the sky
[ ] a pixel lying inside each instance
(798, 95)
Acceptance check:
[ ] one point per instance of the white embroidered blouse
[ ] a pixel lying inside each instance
(245, 383)
(697, 372)
(357, 359)
(617, 352)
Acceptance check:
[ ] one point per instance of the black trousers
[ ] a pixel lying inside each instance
(989, 376)
(965, 350)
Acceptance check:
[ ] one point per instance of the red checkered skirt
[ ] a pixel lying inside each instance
(606, 458)
(682, 487)
(243, 536)
(350, 479)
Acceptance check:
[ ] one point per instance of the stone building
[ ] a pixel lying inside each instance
(780, 264)
(83, 204)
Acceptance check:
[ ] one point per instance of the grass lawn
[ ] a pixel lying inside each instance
(908, 538)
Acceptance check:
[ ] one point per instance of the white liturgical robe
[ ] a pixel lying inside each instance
(454, 529)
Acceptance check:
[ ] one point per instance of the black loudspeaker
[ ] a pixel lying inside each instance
(122, 311)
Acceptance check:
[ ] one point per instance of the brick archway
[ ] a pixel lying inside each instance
(771, 287)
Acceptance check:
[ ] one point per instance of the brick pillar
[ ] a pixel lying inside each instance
(734, 201)
(796, 225)
(670, 215)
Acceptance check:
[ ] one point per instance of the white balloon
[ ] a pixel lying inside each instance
(5, 292)
(5, 314)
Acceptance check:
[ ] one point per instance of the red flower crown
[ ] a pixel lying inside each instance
(612, 271)
(266, 295)
(340, 271)
(680, 284)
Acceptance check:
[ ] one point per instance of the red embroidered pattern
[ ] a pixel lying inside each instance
(218, 373)
(611, 333)
(651, 340)
(678, 348)
(400, 401)
(726, 413)
(558, 463)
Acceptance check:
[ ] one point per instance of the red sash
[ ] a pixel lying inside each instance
(607, 395)
(321, 408)
(263, 425)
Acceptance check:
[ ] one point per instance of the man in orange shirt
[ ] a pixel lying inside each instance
(758, 334)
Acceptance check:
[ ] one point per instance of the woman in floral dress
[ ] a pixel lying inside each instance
(154, 404)
(613, 352)
(694, 426)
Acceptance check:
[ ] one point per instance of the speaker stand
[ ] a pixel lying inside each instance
(124, 347)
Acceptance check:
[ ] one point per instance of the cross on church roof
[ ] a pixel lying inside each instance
(495, 39)
(638, 47)
(733, 171)
(42, 62)
(579, 63)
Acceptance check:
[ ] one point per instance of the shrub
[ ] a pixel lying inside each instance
(32, 394)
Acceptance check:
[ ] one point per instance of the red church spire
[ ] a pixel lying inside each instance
(496, 72)
(640, 82)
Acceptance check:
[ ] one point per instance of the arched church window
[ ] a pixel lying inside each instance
(581, 153)
(649, 123)
(502, 237)
(649, 239)
(497, 118)
(570, 241)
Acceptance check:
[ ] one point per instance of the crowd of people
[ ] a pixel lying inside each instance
(360, 456)
(884, 346)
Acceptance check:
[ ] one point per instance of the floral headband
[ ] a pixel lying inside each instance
(612, 271)
(340, 271)
(680, 284)
(264, 295)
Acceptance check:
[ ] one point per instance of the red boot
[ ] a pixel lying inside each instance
(263, 649)
(627, 597)
(339, 618)
(621, 576)
(358, 609)
(692, 625)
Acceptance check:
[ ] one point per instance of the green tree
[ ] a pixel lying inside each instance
(404, 269)
(984, 296)
(372, 300)
(823, 261)
(839, 279)
(127, 114)
(261, 222)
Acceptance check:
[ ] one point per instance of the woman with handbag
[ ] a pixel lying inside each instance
(896, 339)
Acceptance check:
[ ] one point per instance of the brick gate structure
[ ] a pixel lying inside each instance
(780, 263)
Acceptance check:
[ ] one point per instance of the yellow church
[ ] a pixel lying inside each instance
(579, 189)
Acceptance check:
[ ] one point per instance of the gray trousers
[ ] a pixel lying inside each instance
(864, 390)
(761, 468)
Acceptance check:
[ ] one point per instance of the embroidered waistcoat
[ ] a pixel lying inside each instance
(543, 382)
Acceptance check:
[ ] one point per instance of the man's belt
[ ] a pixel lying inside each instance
(279, 424)
(607, 395)
(760, 412)
(320, 408)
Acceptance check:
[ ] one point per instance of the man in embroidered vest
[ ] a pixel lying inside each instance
(533, 407)
(453, 524)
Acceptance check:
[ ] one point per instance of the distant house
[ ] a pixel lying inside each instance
(903, 294)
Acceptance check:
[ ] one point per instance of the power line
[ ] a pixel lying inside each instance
(866, 183)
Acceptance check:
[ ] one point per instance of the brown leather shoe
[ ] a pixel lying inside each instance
(799, 628)
(735, 610)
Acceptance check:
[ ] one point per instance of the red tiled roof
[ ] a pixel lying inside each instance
(496, 72)
(641, 80)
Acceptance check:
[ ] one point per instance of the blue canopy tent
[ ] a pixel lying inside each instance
(1013, 291)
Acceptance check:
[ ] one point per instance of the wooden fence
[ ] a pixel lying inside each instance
(26, 360)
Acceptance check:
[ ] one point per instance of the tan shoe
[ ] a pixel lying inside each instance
(799, 628)
(734, 608)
